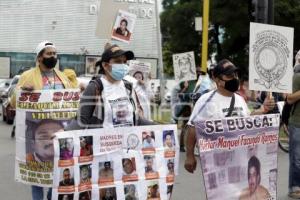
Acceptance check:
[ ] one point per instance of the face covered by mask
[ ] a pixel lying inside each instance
(50, 62)
(118, 71)
(232, 85)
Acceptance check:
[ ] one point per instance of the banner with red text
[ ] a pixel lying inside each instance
(239, 157)
(120, 163)
(39, 115)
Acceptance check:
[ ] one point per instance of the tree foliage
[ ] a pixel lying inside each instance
(229, 37)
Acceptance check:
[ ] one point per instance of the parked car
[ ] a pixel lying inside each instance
(4, 86)
(8, 111)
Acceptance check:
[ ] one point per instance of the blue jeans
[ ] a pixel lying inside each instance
(294, 153)
(38, 193)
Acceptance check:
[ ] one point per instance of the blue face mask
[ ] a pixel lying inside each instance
(118, 71)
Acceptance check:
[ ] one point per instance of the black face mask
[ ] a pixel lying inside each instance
(50, 62)
(232, 85)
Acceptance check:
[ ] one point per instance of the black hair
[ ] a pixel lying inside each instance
(67, 169)
(124, 20)
(254, 162)
(41, 53)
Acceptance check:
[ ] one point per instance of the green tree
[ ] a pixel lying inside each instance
(229, 37)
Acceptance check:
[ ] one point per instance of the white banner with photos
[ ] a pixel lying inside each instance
(120, 163)
(39, 114)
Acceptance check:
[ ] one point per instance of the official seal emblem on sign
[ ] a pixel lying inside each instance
(132, 141)
(271, 55)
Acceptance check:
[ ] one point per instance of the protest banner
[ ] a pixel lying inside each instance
(123, 27)
(139, 70)
(184, 66)
(120, 163)
(39, 114)
(239, 157)
(271, 58)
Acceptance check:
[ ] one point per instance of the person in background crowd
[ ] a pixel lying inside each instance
(181, 105)
(217, 104)
(42, 77)
(294, 134)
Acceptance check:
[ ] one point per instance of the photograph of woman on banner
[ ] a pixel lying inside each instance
(108, 193)
(254, 189)
(67, 177)
(169, 140)
(66, 147)
(86, 146)
(148, 140)
(153, 191)
(123, 26)
(86, 195)
(65, 196)
(130, 192)
(85, 174)
(39, 144)
(129, 167)
(106, 172)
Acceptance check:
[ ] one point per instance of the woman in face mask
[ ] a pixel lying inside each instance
(105, 95)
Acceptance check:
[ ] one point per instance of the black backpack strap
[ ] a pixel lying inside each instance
(129, 88)
(97, 81)
(231, 106)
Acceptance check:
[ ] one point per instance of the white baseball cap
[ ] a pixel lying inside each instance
(43, 45)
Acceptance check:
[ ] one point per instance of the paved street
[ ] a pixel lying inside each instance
(187, 186)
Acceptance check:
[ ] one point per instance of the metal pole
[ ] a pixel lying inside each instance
(160, 60)
(270, 11)
(205, 35)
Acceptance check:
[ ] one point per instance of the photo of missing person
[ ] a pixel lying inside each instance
(65, 196)
(170, 167)
(140, 71)
(169, 191)
(85, 174)
(129, 167)
(90, 64)
(67, 177)
(122, 115)
(212, 181)
(223, 158)
(153, 191)
(149, 164)
(108, 193)
(39, 134)
(234, 174)
(66, 147)
(123, 26)
(254, 189)
(169, 140)
(86, 145)
(130, 192)
(273, 180)
(148, 140)
(184, 66)
(86, 195)
(106, 172)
